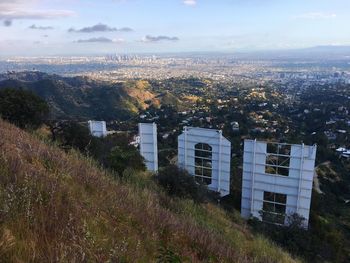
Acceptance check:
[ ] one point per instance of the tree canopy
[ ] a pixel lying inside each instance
(22, 108)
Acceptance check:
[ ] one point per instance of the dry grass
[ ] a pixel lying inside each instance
(58, 207)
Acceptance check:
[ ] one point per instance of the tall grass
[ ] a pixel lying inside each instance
(58, 207)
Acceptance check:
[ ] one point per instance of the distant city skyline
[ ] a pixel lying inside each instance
(87, 27)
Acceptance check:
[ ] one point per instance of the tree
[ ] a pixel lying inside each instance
(22, 108)
(71, 134)
(180, 183)
(125, 156)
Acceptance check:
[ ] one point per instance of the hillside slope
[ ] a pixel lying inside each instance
(58, 207)
(83, 98)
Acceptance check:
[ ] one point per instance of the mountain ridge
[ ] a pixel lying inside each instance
(81, 98)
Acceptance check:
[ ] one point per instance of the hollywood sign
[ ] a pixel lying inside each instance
(206, 154)
(277, 181)
(277, 178)
(98, 128)
(148, 145)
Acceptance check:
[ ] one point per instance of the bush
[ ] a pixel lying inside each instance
(22, 108)
(320, 243)
(180, 183)
(166, 255)
(113, 152)
(125, 156)
(71, 134)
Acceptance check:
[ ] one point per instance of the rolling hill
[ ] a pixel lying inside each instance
(81, 98)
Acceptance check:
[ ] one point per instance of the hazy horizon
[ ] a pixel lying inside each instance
(76, 27)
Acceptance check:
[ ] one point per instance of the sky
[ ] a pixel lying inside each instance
(92, 27)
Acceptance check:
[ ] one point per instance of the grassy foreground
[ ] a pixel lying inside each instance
(58, 207)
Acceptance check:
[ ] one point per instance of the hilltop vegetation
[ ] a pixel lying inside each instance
(81, 98)
(58, 207)
(23, 108)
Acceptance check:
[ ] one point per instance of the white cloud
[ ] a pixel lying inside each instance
(119, 40)
(190, 2)
(25, 9)
(149, 38)
(317, 15)
(101, 40)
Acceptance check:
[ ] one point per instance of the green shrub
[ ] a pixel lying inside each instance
(122, 157)
(305, 243)
(180, 183)
(22, 108)
(166, 255)
(71, 134)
